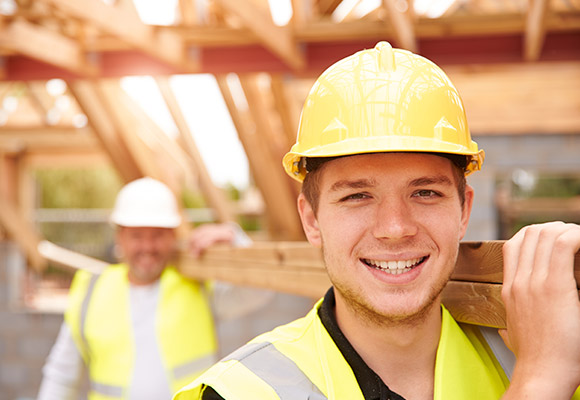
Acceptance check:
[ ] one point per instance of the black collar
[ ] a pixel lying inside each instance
(372, 387)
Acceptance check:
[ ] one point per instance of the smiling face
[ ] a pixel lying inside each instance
(389, 225)
(147, 251)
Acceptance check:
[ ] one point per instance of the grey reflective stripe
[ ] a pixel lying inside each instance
(504, 356)
(84, 310)
(197, 365)
(107, 390)
(278, 371)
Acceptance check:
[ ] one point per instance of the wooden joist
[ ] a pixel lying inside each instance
(472, 296)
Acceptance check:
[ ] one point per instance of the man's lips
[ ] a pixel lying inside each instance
(394, 267)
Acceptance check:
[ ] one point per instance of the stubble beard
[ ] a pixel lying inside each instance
(364, 310)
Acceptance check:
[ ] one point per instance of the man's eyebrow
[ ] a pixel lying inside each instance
(431, 180)
(354, 184)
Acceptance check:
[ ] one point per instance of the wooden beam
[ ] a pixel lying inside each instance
(188, 12)
(535, 29)
(45, 45)
(33, 139)
(37, 100)
(11, 217)
(327, 7)
(214, 196)
(302, 12)
(289, 113)
(52, 158)
(70, 259)
(131, 132)
(442, 44)
(261, 111)
(277, 39)
(283, 220)
(97, 109)
(520, 98)
(121, 20)
(472, 295)
(403, 25)
(289, 116)
(270, 146)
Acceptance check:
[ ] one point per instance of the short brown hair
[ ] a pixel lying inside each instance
(314, 166)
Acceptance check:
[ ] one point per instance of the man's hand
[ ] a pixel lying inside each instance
(208, 235)
(543, 311)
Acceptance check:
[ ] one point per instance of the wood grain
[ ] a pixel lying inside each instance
(472, 296)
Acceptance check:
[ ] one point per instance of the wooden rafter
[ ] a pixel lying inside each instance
(269, 177)
(403, 25)
(327, 7)
(302, 12)
(93, 103)
(130, 130)
(289, 113)
(278, 40)
(535, 29)
(188, 12)
(122, 21)
(45, 45)
(214, 196)
(277, 143)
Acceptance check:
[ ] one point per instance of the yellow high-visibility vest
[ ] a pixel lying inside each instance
(300, 360)
(99, 319)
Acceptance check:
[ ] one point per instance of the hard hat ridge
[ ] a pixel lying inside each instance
(386, 57)
(382, 100)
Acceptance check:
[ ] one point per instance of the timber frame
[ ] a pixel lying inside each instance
(516, 64)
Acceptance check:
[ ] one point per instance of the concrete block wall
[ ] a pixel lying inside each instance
(506, 153)
(25, 338)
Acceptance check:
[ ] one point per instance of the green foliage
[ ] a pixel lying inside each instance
(549, 186)
(193, 199)
(77, 188)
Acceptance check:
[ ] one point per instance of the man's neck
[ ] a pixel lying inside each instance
(402, 354)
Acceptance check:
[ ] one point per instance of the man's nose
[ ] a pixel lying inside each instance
(394, 220)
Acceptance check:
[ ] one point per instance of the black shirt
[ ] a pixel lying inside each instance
(372, 387)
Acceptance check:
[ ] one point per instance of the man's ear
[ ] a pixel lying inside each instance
(466, 212)
(309, 221)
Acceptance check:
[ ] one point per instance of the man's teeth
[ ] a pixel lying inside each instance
(394, 267)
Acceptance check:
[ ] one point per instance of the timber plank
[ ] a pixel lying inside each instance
(297, 268)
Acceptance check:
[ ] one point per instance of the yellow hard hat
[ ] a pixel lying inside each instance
(382, 100)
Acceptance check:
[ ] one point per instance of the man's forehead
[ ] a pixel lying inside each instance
(354, 169)
(411, 158)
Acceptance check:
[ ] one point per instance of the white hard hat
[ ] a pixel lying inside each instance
(146, 202)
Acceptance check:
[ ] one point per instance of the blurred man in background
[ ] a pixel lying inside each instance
(140, 329)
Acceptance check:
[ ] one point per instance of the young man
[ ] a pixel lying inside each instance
(383, 149)
(140, 329)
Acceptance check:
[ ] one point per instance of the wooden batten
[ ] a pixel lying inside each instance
(473, 295)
